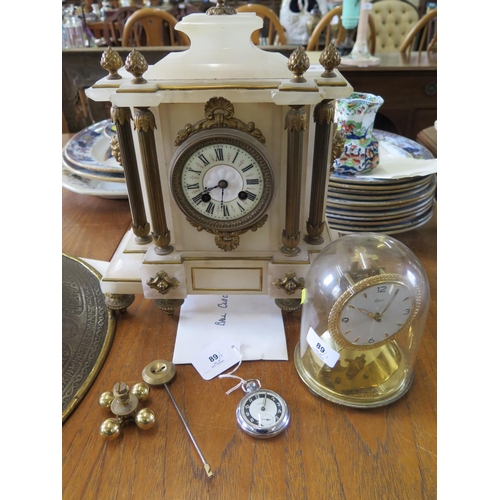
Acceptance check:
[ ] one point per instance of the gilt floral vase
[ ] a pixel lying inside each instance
(355, 116)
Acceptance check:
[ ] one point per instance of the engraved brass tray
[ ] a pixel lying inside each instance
(88, 328)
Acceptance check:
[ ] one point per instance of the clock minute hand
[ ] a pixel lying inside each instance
(389, 303)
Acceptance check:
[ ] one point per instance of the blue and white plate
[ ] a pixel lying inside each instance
(90, 149)
(93, 187)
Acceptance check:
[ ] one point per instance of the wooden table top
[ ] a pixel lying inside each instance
(327, 452)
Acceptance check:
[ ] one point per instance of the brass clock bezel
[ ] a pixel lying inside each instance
(234, 138)
(336, 310)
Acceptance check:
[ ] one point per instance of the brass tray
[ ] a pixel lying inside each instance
(88, 328)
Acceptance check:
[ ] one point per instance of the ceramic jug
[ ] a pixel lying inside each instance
(355, 116)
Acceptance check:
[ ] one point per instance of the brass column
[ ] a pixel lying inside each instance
(323, 117)
(140, 226)
(295, 124)
(144, 122)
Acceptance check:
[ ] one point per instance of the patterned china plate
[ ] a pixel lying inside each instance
(90, 149)
(93, 187)
(93, 174)
(386, 215)
(383, 186)
(373, 196)
(396, 145)
(388, 228)
(387, 202)
(394, 219)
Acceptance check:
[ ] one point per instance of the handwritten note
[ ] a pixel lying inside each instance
(254, 321)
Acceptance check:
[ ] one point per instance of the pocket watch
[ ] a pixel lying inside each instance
(261, 413)
(371, 311)
(222, 180)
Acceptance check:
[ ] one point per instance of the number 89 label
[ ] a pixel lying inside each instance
(328, 355)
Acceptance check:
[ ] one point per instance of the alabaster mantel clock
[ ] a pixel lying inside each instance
(226, 151)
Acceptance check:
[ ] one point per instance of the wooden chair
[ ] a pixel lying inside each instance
(115, 23)
(393, 20)
(152, 28)
(423, 34)
(272, 33)
(317, 41)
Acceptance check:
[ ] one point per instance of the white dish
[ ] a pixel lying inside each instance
(93, 187)
(90, 149)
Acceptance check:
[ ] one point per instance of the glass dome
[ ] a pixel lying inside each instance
(364, 309)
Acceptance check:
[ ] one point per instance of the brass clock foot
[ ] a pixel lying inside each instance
(168, 305)
(118, 301)
(288, 305)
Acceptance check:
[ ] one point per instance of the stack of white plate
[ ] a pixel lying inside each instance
(360, 203)
(88, 167)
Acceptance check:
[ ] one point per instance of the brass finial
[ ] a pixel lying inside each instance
(298, 64)
(136, 65)
(329, 59)
(112, 62)
(220, 9)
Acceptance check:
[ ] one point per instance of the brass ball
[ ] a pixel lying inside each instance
(141, 391)
(145, 418)
(110, 429)
(106, 399)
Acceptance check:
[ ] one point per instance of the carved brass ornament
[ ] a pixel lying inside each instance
(338, 142)
(136, 65)
(229, 240)
(163, 283)
(144, 120)
(219, 113)
(296, 119)
(112, 62)
(290, 284)
(298, 64)
(329, 59)
(115, 149)
(221, 9)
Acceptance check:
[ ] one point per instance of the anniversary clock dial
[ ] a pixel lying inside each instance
(222, 180)
(373, 311)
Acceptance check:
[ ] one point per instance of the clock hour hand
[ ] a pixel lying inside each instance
(368, 313)
(264, 403)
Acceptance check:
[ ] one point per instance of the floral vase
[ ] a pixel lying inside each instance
(355, 116)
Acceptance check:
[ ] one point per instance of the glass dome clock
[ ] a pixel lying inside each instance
(363, 316)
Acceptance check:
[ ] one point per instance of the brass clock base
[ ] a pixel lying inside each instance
(288, 305)
(118, 301)
(169, 305)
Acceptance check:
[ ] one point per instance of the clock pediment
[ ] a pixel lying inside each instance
(221, 48)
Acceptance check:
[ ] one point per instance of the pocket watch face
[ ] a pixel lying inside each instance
(372, 311)
(222, 179)
(263, 413)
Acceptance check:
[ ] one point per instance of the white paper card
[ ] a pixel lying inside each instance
(328, 355)
(216, 358)
(255, 321)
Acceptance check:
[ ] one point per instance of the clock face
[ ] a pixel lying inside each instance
(263, 413)
(373, 311)
(222, 179)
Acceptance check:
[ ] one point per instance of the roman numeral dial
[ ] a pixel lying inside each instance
(222, 179)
